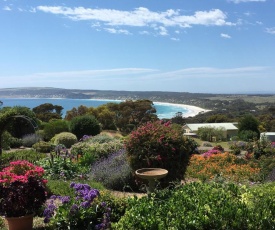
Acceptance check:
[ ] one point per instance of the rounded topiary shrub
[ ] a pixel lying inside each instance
(65, 138)
(160, 145)
(43, 147)
(85, 125)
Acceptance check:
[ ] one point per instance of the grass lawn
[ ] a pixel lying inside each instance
(224, 144)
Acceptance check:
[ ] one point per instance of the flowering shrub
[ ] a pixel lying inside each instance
(225, 164)
(263, 147)
(209, 153)
(83, 211)
(22, 189)
(160, 145)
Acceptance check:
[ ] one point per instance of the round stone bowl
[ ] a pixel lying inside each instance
(151, 173)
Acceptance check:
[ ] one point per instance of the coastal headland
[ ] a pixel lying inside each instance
(195, 102)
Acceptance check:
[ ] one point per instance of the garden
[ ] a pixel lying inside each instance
(81, 178)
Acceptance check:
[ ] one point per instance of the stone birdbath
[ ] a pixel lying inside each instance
(151, 174)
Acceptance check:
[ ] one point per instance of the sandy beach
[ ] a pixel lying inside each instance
(192, 110)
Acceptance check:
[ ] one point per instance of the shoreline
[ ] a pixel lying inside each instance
(191, 109)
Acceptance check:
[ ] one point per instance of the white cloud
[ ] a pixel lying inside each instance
(208, 72)
(141, 17)
(104, 72)
(270, 30)
(117, 31)
(240, 1)
(259, 22)
(7, 8)
(225, 36)
(144, 32)
(162, 31)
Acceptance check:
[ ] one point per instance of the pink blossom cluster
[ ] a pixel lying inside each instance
(21, 171)
(211, 152)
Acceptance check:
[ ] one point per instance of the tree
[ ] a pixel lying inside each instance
(131, 114)
(105, 116)
(54, 127)
(207, 133)
(85, 125)
(249, 123)
(178, 119)
(217, 118)
(48, 111)
(80, 111)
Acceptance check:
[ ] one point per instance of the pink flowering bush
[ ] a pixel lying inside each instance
(160, 145)
(22, 189)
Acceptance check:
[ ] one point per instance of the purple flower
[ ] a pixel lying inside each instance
(74, 209)
(85, 204)
(65, 199)
(49, 212)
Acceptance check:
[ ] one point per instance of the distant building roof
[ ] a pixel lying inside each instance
(195, 127)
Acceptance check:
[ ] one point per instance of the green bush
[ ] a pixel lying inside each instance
(54, 127)
(248, 135)
(85, 125)
(100, 138)
(2, 223)
(6, 140)
(159, 145)
(267, 164)
(201, 206)
(15, 142)
(28, 155)
(90, 152)
(65, 138)
(43, 147)
(62, 188)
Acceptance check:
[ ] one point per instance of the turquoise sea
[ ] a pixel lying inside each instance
(164, 110)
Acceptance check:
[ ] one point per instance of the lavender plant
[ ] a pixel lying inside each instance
(113, 172)
(83, 211)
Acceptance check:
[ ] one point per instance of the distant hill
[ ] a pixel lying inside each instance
(204, 100)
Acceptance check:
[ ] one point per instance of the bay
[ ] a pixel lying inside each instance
(164, 110)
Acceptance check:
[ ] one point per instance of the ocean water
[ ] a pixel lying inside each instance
(164, 110)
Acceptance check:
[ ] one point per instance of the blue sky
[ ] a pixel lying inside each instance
(213, 46)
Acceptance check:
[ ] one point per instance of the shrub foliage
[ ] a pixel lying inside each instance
(160, 145)
(85, 125)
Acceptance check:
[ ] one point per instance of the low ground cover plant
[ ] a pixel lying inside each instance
(201, 206)
(60, 164)
(28, 155)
